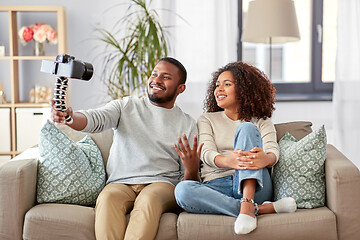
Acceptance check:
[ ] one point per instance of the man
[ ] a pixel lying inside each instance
(143, 164)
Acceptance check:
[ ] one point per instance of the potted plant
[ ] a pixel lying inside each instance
(130, 60)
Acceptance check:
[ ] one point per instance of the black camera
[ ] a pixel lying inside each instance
(66, 66)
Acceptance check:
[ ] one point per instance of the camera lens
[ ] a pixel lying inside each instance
(88, 72)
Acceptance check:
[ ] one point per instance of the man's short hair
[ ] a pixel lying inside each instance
(182, 70)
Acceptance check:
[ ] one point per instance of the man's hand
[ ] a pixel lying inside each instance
(59, 116)
(190, 157)
(79, 119)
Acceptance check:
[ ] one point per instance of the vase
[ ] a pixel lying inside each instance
(39, 49)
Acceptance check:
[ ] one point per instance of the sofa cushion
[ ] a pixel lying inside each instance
(300, 171)
(68, 172)
(296, 226)
(66, 221)
(59, 221)
(298, 129)
(103, 139)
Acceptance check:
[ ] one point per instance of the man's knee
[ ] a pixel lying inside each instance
(114, 199)
(106, 196)
(148, 199)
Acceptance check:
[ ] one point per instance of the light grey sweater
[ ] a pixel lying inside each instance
(217, 132)
(144, 134)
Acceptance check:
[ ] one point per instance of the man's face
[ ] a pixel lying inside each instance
(163, 85)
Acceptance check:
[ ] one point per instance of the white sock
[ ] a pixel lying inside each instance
(284, 205)
(244, 224)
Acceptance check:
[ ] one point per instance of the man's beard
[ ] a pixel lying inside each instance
(153, 98)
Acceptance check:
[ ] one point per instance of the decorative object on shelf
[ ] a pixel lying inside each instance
(39, 49)
(130, 59)
(2, 50)
(40, 94)
(40, 33)
(2, 96)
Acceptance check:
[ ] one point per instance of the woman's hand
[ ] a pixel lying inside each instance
(230, 161)
(254, 159)
(190, 157)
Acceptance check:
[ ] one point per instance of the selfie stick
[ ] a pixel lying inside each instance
(60, 95)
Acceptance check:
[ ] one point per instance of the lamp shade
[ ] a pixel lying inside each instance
(271, 21)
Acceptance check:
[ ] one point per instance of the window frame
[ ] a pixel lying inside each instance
(316, 89)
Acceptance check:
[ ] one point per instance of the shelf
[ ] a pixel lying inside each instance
(12, 153)
(29, 58)
(20, 71)
(24, 104)
(31, 105)
(6, 105)
(17, 8)
(9, 153)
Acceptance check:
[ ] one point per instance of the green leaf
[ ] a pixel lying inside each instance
(130, 59)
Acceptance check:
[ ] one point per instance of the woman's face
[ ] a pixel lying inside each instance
(225, 94)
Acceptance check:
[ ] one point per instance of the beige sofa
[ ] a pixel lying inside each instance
(22, 218)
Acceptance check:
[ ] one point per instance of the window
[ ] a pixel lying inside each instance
(302, 70)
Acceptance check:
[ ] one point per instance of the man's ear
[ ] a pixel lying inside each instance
(181, 88)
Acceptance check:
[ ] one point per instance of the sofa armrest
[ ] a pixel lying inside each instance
(17, 195)
(343, 192)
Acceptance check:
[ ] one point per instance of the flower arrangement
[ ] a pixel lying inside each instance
(39, 32)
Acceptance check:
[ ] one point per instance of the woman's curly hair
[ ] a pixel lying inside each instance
(255, 93)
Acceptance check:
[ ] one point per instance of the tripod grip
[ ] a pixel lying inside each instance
(59, 97)
(69, 119)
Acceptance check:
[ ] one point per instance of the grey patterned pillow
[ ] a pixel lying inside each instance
(300, 172)
(68, 172)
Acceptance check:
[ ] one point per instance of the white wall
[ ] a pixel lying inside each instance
(201, 51)
(319, 113)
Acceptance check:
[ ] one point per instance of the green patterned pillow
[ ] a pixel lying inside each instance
(300, 171)
(68, 172)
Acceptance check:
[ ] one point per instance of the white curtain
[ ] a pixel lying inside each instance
(346, 97)
(203, 39)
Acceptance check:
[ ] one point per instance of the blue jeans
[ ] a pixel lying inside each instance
(222, 195)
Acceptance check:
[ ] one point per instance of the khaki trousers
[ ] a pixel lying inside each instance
(147, 201)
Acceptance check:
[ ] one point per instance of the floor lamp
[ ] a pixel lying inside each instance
(271, 21)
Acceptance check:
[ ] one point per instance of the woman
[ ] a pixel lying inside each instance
(239, 147)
